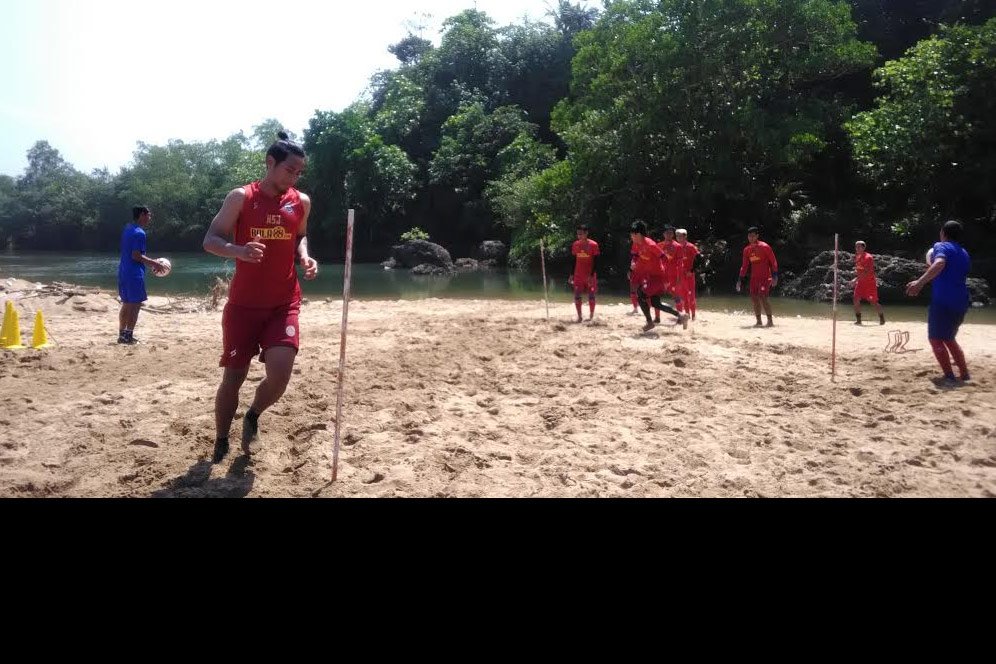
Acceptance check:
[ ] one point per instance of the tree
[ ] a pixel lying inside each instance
(698, 112)
(928, 145)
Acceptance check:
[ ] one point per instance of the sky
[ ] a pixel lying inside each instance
(94, 77)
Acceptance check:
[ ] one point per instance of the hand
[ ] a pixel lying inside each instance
(913, 288)
(159, 267)
(310, 266)
(740, 286)
(570, 281)
(253, 252)
(592, 282)
(774, 282)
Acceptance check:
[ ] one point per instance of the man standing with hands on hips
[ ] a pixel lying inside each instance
(263, 226)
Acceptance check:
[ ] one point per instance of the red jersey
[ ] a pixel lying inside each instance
(273, 222)
(670, 249)
(865, 267)
(686, 257)
(585, 253)
(648, 259)
(761, 260)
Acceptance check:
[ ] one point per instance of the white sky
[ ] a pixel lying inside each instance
(93, 77)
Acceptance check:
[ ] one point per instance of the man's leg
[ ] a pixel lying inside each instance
(756, 299)
(857, 309)
(226, 402)
(136, 309)
(959, 357)
(279, 367)
(124, 316)
(591, 306)
(767, 310)
(577, 304)
(881, 313)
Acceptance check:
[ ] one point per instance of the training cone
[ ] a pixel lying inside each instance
(40, 338)
(11, 337)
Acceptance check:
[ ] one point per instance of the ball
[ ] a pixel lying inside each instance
(169, 267)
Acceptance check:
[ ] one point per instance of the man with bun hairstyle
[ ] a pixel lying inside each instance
(263, 226)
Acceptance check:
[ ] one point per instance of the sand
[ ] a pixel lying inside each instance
(457, 398)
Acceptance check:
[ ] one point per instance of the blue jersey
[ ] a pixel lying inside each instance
(133, 238)
(949, 288)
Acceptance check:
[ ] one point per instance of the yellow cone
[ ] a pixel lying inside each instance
(40, 338)
(11, 329)
(5, 330)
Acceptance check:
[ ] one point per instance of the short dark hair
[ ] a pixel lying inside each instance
(953, 230)
(753, 229)
(283, 148)
(584, 227)
(669, 227)
(138, 211)
(639, 226)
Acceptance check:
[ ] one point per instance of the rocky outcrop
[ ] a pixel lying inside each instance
(420, 252)
(892, 273)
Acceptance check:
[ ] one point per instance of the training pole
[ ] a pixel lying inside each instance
(342, 342)
(546, 299)
(836, 286)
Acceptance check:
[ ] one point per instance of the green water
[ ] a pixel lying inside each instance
(194, 273)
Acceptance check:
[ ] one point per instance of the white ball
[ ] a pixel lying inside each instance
(169, 268)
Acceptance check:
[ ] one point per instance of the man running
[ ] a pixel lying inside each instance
(649, 275)
(585, 278)
(865, 285)
(759, 257)
(688, 260)
(131, 273)
(670, 259)
(267, 223)
(949, 302)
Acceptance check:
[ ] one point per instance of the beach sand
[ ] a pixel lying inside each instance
(462, 398)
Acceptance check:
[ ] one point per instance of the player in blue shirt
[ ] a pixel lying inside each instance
(131, 273)
(949, 265)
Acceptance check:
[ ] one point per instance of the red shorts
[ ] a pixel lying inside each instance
(867, 292)
(761, 286)
(246, 330)
(584, 285)
(655, 285)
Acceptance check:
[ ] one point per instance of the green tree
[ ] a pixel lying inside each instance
(699, 112)
(928, 143)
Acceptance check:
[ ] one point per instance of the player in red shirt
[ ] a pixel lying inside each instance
(865, 285)
(670, 260)
(585, 278)
(688, 259)
(759, 257)
(649, 275)
(263, 226)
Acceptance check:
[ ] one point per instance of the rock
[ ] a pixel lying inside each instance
(420, 252)
(892, 273)
(433, 270)
(487, 264)
(493, 250)
(389, 264)
(467, 264)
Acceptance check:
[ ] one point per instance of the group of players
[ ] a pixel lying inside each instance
(263, 227)
(668, 267)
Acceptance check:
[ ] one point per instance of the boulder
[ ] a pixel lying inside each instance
(420, 252)
(891, 272)
(493, 250)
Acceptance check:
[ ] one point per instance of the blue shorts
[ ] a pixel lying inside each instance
(943, 321)
(132, 290)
